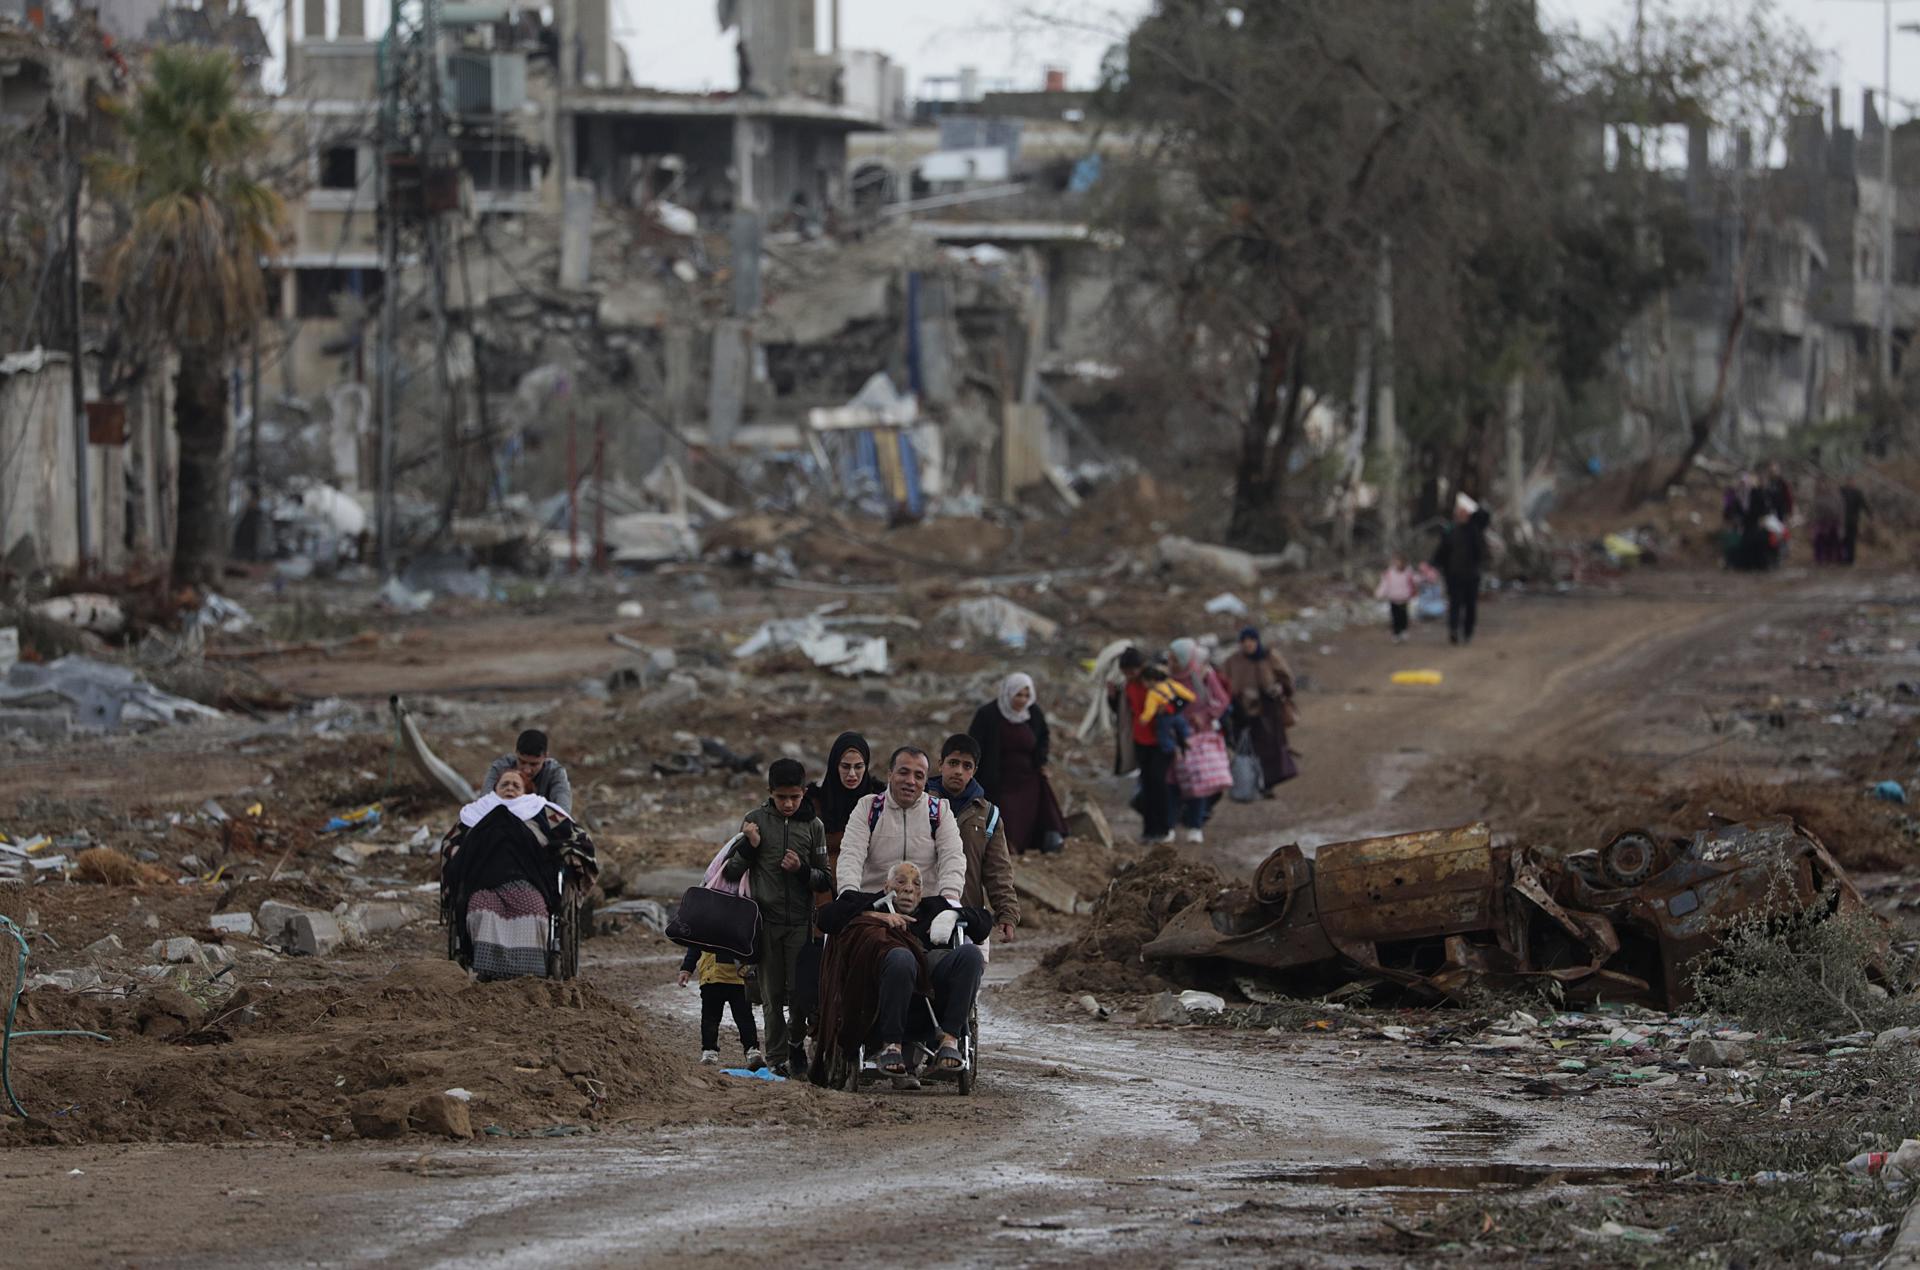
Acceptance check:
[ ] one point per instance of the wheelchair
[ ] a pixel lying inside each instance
(573, 871)
(859, 1071)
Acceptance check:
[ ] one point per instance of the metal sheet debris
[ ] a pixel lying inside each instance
(95, 696)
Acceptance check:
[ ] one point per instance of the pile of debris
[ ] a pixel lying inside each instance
(50, 701)
(1440, 914)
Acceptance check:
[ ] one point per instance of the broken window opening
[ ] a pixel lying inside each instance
(340, 167)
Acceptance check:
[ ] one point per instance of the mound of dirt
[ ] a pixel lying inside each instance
(1135, 905)
(373, 1056)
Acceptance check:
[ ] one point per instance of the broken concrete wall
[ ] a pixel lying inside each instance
(38, 472)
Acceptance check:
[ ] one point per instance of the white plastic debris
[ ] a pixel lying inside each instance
(1195, 1000)
(991, 617)
(1228, 604)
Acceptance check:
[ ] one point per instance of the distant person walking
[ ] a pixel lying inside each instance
(1460, 556)
(1853, 505)
(1128, 700)
(1262, 687)
(1015, 745)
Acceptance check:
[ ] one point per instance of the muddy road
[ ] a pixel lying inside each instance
(1086, 1140)
(1083, 1141)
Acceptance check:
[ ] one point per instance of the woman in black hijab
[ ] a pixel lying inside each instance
(846, 781)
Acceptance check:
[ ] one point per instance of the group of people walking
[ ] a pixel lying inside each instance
(1179, 721)
(1757, 517)
(918, 831)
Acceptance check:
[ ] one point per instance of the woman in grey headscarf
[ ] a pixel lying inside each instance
(1014, 740)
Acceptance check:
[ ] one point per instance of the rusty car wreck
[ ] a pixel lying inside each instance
(1439, 911)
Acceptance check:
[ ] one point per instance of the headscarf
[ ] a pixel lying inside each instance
(1259, 652)
(1189, 657)
(1011, 685)
(525, 807)
(835, 801)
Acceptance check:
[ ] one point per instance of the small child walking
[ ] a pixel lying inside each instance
(723, 985)
(1398, 586)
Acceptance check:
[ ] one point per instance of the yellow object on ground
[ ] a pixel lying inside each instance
(1420, 678)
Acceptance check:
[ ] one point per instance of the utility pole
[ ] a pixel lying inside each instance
(83, 491)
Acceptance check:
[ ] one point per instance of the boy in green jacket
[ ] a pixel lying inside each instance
(786, 856)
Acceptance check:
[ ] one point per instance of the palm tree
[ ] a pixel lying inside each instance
(190, 264)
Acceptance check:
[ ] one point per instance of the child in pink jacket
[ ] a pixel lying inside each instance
(1398, 585)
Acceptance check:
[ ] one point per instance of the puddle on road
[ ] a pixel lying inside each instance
(1452, 1177)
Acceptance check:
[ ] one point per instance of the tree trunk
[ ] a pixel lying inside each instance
(1514, 417)
(200, 420)
(1386, 421)
(1253, 490)
(1701, 425)
(1354, 458)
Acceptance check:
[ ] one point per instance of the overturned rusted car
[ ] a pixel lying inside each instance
(1441, 910)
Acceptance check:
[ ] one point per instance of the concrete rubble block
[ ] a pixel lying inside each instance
(1089, 824)
(78, 979)
(232, 923)
(274, 918)
(1163, 1007)
(180, 950)
(105, 949)
(1705, 1051)
(441, 1115)
(314, 935)
(1228, 563)
(379, 1115)
(1896, 1036)
(376, 917)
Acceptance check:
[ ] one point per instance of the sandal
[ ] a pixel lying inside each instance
(891, 1061)
(948, 1059)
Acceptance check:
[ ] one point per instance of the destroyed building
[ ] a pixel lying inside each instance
(1797, 242)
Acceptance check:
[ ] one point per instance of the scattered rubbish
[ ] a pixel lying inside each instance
(100, 614)
(360, 818)
(843, 654)
(431, 765)
(651, 913)
(630, 609)
(1202, 1002)
(463, 1095)
(1163, 1008)
(1417, 678)
(1478, 914)
(218, 613)
(1227, 604)
(1620, 549)
(1890, 792)
(757, 1073)
(1615, 1230)
(402, 598)
(990, 617)
(93, 696)
(1091, 1004)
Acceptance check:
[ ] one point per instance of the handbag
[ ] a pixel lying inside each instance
(1245, 766)
(718, 916)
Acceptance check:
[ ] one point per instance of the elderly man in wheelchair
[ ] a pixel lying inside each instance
(899, 978)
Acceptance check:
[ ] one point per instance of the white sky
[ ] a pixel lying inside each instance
(677, 44)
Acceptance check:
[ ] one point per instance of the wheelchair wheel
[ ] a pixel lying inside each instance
(971, 1072)
(563, 953)
(853, 1064)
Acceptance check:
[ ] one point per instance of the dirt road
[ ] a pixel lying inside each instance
(1086, 1140)
(1083, 1140)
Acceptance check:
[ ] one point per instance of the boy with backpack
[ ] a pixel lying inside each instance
(785, 849)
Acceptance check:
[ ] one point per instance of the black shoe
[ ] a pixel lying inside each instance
(1453, 637)
(797, 1063)
(1052, 843)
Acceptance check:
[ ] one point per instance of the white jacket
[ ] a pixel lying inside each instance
(901, 834)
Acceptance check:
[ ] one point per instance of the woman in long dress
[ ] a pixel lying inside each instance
(1262, 685)
(1014, 749)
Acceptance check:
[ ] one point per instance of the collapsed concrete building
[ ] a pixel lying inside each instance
(1796, 239)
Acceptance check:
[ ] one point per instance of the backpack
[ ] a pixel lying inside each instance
(879, 806)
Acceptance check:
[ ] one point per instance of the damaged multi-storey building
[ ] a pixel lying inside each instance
(1795, 271)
